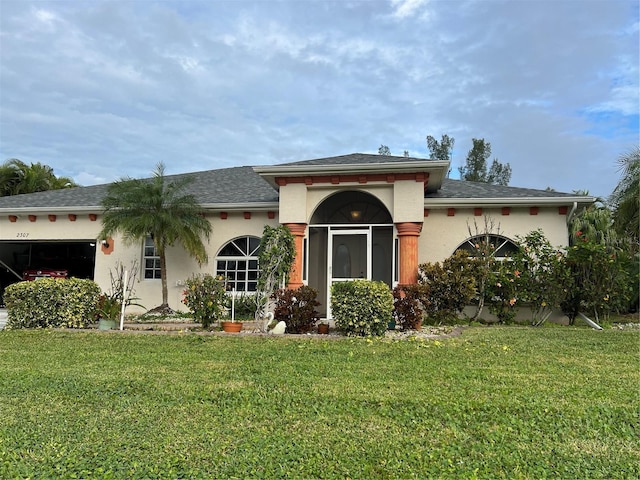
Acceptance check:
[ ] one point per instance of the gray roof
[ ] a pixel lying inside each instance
(357, 159)
(462, 189)
(242, 185)
(225, 186)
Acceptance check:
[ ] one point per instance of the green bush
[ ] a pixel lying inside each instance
(244, 306)
(205, 297)
(297, 308)
(361, 307)
(502, 291)
(407, 305)
(451, 287)
(52, 302)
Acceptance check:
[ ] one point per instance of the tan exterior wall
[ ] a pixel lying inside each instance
(408, 201)
(403, 199)
(43, 229)
(179, 265)
(298, 201)
(442, 234)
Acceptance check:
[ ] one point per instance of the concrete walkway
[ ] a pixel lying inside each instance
(3, 317)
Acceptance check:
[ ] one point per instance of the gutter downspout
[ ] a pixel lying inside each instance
(572, 212)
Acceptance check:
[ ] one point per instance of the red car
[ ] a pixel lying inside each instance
(34, 274)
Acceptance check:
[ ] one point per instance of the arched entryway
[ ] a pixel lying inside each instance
(350, 236)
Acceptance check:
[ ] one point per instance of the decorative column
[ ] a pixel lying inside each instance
(295, 275)
(408, 233)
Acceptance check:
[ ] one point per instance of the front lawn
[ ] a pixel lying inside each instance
(498, 402)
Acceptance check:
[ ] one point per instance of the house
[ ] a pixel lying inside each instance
(353, 216)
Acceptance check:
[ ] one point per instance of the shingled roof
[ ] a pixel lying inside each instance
(243, 186)
(236, 185)
(462, 189)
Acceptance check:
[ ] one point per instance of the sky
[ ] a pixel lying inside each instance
(101, 90)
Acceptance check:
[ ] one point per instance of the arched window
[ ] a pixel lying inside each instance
(238, 262)
(501, 246)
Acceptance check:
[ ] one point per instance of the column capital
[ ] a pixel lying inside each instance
(297, 229)
(409, 229)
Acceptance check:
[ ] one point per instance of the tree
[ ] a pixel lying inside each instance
(440, 150)
(499, 174)
(541, 275)
(384, 150)
(625, 199)
(162, 209)
(475, 168)
(17, 177)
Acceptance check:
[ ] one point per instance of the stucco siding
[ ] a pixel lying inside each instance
(442, 234)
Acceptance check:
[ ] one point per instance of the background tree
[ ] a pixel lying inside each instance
(384, 150)
(625, 199)
(17, 177)
(162, 209)
(440, 150)
(475, 168)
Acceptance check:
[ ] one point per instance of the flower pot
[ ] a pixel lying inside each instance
(391, 325)
(418, 325)
(106, 324)
(231, 327)
(323, 328)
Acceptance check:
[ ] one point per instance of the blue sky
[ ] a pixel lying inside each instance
(104, 89)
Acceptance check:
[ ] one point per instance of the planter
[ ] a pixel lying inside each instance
(231, 327)
(105, 324)
(323, 328)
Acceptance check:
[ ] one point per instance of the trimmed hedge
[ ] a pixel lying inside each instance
(52, 302)
(362, 307)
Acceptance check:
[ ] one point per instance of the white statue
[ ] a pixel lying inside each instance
(279, 329)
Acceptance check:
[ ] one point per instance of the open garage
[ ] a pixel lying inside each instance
(45, 258)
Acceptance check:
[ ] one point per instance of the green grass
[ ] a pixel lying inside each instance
(496, 402)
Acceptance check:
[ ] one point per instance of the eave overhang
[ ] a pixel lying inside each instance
(436, 203)
(435, 171)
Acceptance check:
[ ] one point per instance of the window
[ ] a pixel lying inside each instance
(502, 246)
(151, 260)
(238, 262)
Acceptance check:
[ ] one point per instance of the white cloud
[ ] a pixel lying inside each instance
(407, 8)
(123, 85)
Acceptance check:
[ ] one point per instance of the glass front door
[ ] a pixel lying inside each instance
(349, 259)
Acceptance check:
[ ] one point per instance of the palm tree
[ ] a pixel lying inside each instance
(17, 177)
(625, 199)
(160, 208)
(594, 222)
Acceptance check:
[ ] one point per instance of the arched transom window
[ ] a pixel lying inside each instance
(501, 247)
(238, 262)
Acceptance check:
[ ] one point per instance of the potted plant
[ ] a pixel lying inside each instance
(323, 328)
(121, 291)
(109, 308)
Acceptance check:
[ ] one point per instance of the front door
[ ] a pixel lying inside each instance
(350, 257)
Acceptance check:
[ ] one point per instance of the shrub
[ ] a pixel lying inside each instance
(600, 279)
(502, 291)
(245, 306)
(361, 307)
(297, 308)
(276, 254)
(408, 301)
(543, 275)
(451, 287)
(52, 302)
(205, 297)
